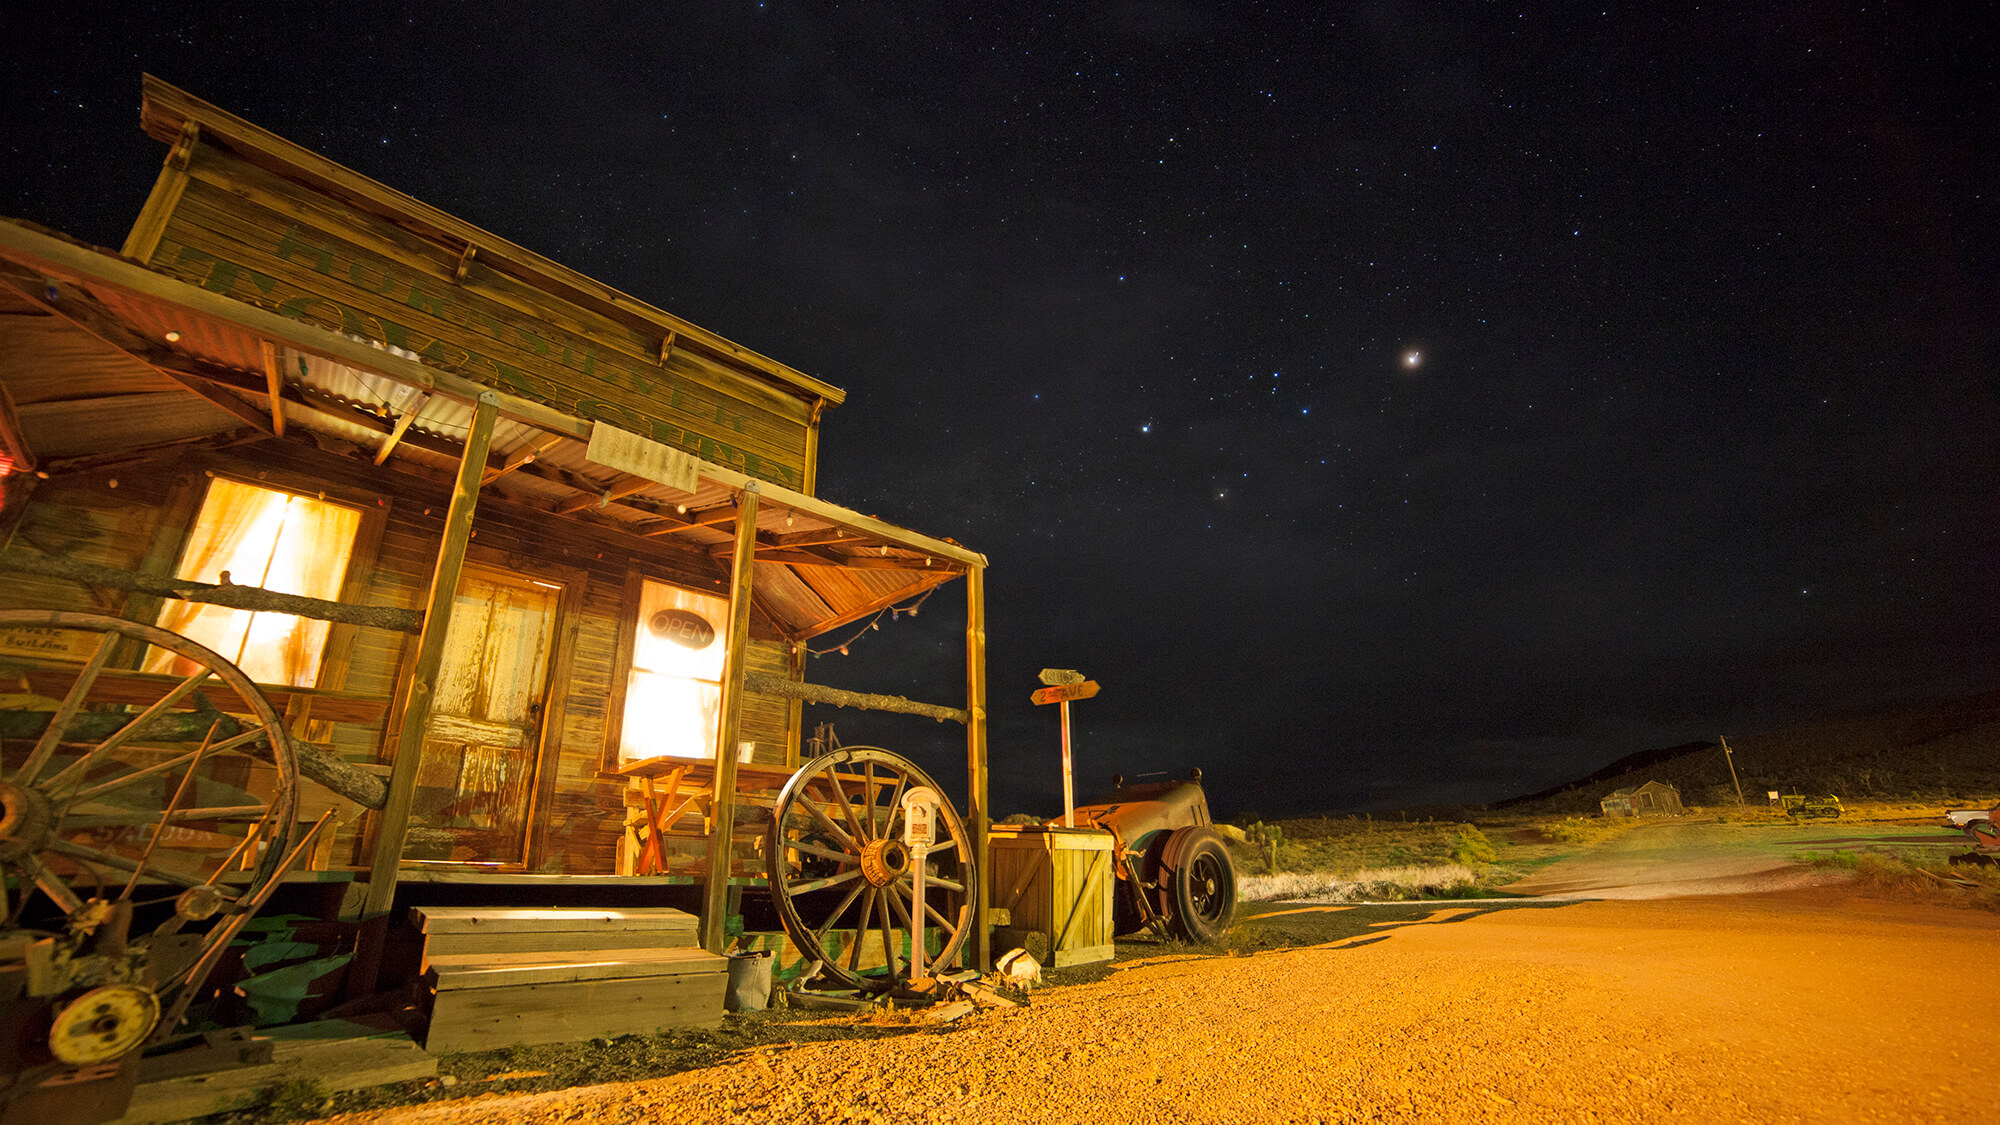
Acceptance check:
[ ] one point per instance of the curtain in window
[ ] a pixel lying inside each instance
(261, 537)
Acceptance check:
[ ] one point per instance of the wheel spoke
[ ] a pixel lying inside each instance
(59, 722)
(895, 803)
(826, 927)
(51, 885)
(187, 782)
(868, 793)
(888, 935)
(940, 881)
(93, 855)
(827, 823)
(948, 845)
(115, 820)
(822, 884)
(122, 780)
(846, 809)
(860, 929)
(823, 853)
(130, 730)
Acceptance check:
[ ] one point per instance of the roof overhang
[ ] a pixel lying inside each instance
(102, 359)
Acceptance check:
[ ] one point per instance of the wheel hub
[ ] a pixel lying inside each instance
(26, 821)
(104, 1024)
(884, 861)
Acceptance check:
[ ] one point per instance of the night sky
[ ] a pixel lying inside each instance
(1386, 403)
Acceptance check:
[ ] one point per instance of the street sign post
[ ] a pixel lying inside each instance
(1064, 686)
(920, 806)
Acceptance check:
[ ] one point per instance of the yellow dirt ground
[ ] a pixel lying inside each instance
(1803, 1005)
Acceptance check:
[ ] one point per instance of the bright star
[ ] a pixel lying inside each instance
(1413, 359)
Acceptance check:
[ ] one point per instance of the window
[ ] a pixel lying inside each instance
(282, 541)
(673, 702)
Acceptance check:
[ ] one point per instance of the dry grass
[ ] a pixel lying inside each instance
(1385, 884)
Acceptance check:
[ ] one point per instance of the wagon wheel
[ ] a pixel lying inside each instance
(836, 860)
(184, 793)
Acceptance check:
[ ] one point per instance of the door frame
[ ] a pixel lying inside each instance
(555, 698)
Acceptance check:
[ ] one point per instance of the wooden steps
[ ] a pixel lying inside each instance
(509, 976)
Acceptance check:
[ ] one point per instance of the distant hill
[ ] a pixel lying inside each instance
(1943, 754)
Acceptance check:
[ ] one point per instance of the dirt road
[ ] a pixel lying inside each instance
(1811, 1004)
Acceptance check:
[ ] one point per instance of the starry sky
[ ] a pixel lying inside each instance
(1388, 404)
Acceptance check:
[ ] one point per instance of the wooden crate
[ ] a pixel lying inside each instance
(1057, 881)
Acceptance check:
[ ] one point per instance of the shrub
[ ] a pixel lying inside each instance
(1471, 848)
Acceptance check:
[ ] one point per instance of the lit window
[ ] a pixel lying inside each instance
(673, 702)
(280, 541)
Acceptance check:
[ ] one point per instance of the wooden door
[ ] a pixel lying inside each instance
(475, 792)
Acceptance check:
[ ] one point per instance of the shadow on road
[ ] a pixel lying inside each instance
(1274, 925)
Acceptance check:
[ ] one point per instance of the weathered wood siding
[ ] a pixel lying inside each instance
(580, 815)
(243, 231)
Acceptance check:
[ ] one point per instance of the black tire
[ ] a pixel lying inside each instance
(1197, 885)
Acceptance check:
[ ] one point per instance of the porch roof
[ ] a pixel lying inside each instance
(104, 361)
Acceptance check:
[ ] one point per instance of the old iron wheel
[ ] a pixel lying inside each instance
(836, 841)
(1197, 885)
(110, 799)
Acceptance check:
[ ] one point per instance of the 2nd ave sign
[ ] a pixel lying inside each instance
(1063, 693)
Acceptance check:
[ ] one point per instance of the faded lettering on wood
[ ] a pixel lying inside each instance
(244, 232)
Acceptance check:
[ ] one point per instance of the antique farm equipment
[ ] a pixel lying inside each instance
(1174, 870)
(133, 807)
(841, 874)
(1810, 808)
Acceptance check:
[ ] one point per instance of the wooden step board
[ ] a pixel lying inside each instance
(451, 931)
(506, 977)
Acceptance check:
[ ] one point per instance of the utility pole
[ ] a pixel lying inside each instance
(1731, 759)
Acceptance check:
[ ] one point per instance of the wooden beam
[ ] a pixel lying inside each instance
(254, 598)
(274, 383)
(242, 411)
(11, 436)
(522, 458)
(976, 810)
(722, 812)
(764, 683)
(617, 491)
(403, 426)
(395, 816)
(708, 517)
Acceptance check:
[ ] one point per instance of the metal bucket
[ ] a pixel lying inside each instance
(749, 981)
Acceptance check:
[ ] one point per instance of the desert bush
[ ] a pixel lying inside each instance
(1471, 848)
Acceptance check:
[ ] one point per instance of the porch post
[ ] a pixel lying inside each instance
(976, 810)
(715, 897)
(395, 815)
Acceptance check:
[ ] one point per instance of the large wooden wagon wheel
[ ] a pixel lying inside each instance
(181, 789)
(837, 863)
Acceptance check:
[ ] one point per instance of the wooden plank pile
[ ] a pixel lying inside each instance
(511, 976)
(336, 1054)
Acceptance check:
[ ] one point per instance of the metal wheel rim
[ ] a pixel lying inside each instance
(798, 862)
(62, 780)
(1207, 883)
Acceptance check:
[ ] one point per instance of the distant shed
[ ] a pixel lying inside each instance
(1654, 798)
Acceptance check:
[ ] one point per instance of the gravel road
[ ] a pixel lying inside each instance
(1811, 1004)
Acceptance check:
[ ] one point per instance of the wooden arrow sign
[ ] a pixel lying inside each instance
(1063, 693)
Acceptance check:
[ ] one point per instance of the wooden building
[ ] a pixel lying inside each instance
(573, 542)
(1654, 798)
